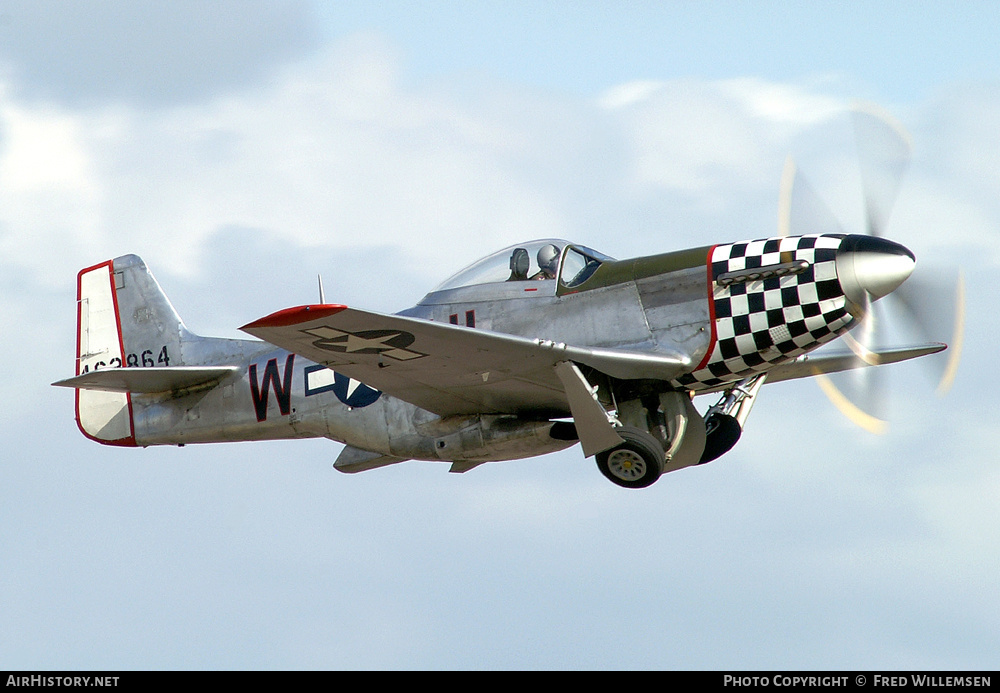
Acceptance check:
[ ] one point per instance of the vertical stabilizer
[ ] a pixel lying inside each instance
(123, 320)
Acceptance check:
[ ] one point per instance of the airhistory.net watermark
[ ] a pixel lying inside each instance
(61, 681)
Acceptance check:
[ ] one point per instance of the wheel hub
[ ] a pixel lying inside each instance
(627, 465)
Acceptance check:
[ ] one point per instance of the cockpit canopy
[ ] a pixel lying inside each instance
(543, 259)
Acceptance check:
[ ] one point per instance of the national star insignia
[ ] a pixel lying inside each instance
(389, 343)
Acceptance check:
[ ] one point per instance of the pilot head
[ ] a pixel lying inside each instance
(548, 260)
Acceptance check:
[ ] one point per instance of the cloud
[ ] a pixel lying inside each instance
(147, 53)
(336, 154)
(687, 132)
(336, 151)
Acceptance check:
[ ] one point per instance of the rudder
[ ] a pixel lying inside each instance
(123, 320)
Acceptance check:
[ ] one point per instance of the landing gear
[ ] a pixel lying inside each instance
(722, 433)
(636, 463)
(725, 419)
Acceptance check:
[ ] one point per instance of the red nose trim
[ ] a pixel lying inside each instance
(713, 337)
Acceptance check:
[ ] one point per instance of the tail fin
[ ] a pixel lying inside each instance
(123, 319)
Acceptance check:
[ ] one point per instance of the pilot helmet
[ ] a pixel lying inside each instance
(548, 258)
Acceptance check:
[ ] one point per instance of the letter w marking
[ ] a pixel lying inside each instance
(282, 388)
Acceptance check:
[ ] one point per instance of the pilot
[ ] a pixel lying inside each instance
(519, 261)
(548, 262)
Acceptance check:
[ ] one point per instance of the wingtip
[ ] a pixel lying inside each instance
(296, 315)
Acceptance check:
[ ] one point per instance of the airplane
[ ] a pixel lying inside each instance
(528, 351)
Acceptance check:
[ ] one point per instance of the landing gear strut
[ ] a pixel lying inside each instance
(725, 419)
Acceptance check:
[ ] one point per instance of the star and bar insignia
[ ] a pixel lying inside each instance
(390, 343)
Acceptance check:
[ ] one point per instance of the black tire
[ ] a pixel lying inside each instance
(636, 463)
(723, 432)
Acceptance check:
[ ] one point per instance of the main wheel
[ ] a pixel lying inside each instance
(636, 463)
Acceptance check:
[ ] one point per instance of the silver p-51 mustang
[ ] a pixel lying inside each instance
(528, 351)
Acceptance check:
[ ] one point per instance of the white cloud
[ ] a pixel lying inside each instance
(43, 149)
(783, 103)
(714, 141)
(47, 178)
(337, 152)
(147, 53)
(335, 155)
(629, 93)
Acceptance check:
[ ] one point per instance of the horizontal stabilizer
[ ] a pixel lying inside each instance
(352, 460)
(461, 467)
(810, 365)
(149, 381)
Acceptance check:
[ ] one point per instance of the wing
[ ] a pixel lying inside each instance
(806, 366)
(449, 369)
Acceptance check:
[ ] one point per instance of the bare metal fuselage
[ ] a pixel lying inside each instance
(279, 395)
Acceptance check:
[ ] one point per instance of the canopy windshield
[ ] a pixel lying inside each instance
(534, 260)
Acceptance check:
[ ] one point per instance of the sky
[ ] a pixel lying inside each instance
(242, 147)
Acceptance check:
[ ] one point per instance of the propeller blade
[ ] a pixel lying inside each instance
(957, 339)
(847, 405)
(883, 157)
(800, 208)
(861, 339)
(935, 308)
(860, 394)
(785, 197)
(800, 211)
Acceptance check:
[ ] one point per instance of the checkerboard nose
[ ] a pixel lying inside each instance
(869, 267)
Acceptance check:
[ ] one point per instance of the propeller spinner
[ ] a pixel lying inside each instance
(870, 267)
